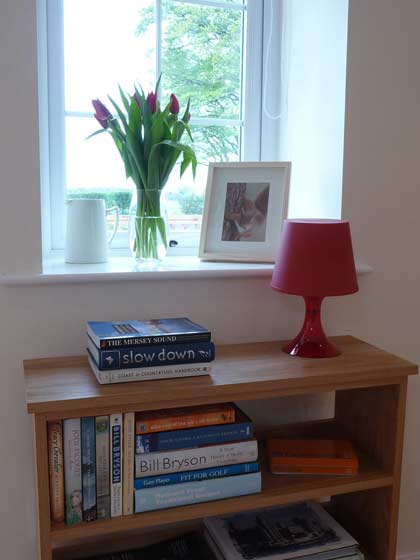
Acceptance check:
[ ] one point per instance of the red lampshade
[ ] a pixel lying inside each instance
(315, 258)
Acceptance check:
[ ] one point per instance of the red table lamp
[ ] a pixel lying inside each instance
(314, 260)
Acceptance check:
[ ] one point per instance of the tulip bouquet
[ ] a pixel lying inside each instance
(147, 137)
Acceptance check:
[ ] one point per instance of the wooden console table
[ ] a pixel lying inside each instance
(370, 394)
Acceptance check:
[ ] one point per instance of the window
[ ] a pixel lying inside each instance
(207, 49)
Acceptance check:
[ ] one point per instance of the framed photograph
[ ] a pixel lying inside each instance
(244, 210)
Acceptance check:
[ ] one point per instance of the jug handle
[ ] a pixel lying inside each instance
(117, 220)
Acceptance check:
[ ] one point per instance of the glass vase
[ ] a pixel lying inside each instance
(148, 226)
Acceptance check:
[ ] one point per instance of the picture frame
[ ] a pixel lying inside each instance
(244, 209)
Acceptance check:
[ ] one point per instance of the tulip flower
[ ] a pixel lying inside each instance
(174, 106)
(152, 101)
(102, 114)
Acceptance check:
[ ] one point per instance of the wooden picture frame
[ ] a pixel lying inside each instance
(244, 209)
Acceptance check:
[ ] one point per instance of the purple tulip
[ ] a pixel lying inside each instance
(152, 101)
(174, 106)
(102, 115)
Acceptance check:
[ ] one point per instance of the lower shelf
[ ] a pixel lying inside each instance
(277, 490)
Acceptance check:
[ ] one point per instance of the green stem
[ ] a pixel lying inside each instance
(149, 226)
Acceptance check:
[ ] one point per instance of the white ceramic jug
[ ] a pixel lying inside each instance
(86, 236)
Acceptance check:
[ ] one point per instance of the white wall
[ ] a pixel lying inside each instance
(380, 197)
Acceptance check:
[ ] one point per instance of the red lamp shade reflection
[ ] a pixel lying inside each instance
(314, 260)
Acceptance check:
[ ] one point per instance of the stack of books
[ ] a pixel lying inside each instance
(297, 531)
(194, 455)
(125, 463)
(145, 350)
(312, 456)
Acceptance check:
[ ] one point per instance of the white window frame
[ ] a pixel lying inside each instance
(51, 54)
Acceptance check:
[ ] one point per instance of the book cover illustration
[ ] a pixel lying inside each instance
(56, 470)
(242, 429)
(73, 470)
(88, 468)
(193, 476)
(103, 505)
(196, 492)
(114, 334)
(183, 418)
(150, 356)
(289, 531)
(116, 443)
(128, 463)
(167, 462)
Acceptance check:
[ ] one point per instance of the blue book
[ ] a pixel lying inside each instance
(196, 437)
(152, 356)
(193, 476)
(88, 429)
(117, 334)
(196, 492)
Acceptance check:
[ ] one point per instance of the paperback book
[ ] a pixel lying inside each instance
(88, 428)
(148, 373)
(116, 444)
(56, 468)
(193, 476)
(242, 429)
(112, 334)
(302, 530)
(152, 356)
(128, 463)
(183, 418)
(196, 492)
(103, 497)
(73, 470)
(152, 464)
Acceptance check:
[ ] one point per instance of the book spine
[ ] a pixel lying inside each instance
(153, 464)
(88, 468)
(112, 343)
(226, 414)
(193, 476)
(73, 470)
(147, 374)
(116, 443)
(196, 492)
(193, 437)
(128, 463)
(103, 505)
(152, 356)
(56, 470)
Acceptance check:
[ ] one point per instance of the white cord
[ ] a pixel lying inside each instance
(265, 80)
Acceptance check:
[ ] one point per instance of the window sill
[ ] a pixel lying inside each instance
(121, 269)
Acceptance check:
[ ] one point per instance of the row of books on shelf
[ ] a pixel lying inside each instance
(107, 466)
(301, 531)
(146, 350)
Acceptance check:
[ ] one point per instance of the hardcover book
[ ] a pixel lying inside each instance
(242, 429)
(152, 356)
(56, 468)
(312, 456)
(196, 492)
(191, 546)
(148, 373)
(193, 476)
(73, 470)
(113, 334)
(128, 463)
(183, 418)
(103, 498)
(88, 468)
(116, 444)
(166, 462)
(302, 530)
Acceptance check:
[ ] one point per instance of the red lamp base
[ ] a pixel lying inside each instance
(311, 342)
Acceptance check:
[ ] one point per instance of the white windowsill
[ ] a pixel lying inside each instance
(120, 269)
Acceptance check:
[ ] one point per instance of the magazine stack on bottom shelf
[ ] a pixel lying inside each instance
(301, 531)
(146, 350)
(107, 466)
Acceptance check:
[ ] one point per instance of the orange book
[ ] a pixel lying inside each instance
(312, 456)
(184, 418)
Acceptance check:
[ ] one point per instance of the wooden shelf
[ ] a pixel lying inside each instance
(276, 490)
(65, 386)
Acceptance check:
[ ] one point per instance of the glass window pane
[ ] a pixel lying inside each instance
(102, 49)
